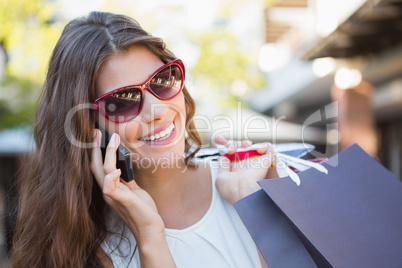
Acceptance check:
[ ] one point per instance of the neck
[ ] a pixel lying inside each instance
(181, 194)
(165, 183)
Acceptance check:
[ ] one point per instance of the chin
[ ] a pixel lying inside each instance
(159, 157)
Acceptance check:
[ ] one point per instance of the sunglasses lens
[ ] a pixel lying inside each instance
(123, 105)
(168, 82)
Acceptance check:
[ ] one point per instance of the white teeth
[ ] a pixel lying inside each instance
(164, 134)
(169, 129)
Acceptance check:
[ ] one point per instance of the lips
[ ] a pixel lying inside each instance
(159, 134)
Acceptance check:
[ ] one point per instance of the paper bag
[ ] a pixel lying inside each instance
(273, 234)
(351, 217)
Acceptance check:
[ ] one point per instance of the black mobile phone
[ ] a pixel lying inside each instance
(123, 157)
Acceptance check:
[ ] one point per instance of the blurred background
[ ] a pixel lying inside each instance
(323, 72)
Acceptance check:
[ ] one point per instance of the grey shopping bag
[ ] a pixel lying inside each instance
(351, 217)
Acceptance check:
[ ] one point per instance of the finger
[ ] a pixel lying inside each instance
(268, 162)
(262, 148)
(265, 167)
(220, 140)
(224, 165)
(115, 190)
(232, 146)
(229, 144)
(131, 184)
(271, 154)
(111, 183)
(245, 143)
(96, 159)
(110, 157)
(268, 154)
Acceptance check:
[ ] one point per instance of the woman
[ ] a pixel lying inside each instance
(74, 209)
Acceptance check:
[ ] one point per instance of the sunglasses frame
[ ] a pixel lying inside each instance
(141, 87)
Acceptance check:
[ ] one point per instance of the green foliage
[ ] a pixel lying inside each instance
(28, 33)
(15, 13)
(22, 115)
(30, 29)
(17, 101)
(222, 61)
(270, 3)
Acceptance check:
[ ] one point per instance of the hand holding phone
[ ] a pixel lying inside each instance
(123, 157)
(130, 203)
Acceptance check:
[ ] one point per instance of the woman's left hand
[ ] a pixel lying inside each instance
(239, 179)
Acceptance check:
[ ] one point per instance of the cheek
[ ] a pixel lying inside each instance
(180, 105)
(181, 115)
(129, 132)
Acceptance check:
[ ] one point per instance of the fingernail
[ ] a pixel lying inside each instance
(116, 171)
(112, 141)
(95, 137)
(249, 143)
(98, 137)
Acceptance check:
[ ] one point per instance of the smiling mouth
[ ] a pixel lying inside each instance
(163, 135)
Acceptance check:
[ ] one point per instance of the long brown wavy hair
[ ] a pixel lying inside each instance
(61, 220)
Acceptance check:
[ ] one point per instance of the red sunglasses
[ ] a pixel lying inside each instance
(125, 103)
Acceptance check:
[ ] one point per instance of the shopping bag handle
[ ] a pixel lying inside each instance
(282, 164)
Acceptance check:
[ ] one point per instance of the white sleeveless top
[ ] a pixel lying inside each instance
(219, 239)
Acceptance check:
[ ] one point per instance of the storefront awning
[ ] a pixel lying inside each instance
(374, 27)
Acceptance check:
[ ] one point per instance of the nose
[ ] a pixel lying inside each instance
(153, 108)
